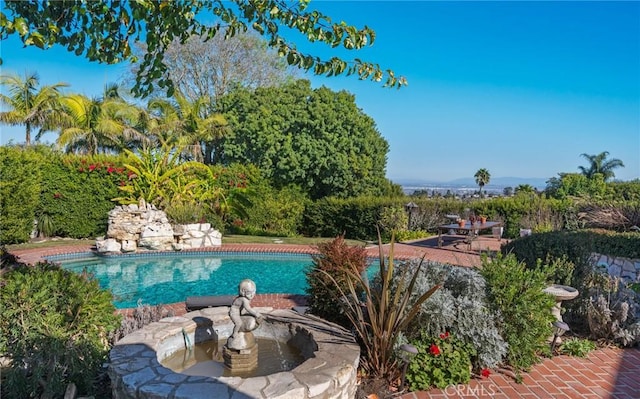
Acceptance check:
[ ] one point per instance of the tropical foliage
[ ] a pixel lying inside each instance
(482, 177)
(100, 125)
(31, 105)
(599, 164)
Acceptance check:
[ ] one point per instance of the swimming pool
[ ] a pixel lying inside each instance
(161, 278)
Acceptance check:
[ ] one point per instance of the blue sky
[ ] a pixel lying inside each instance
(519, 88)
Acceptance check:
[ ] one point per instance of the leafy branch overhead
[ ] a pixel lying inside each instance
(106, 31)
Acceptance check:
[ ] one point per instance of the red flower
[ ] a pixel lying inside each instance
(92, 167)
(122, 183)
(111, 169)
(485, 373)
(435, 351)
(445, 335)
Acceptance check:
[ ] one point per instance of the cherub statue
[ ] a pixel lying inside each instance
(244, 317)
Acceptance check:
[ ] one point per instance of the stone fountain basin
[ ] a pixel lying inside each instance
(562, 292)
(329, 370)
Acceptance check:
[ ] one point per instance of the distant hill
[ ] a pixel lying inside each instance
(495, 182)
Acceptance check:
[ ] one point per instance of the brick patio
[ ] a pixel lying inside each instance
(607, 373)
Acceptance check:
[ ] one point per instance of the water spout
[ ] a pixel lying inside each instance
(187, 341)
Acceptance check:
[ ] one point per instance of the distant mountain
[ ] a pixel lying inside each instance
(537, 182)
(495, 182)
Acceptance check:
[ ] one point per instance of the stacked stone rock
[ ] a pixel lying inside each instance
(627, 269)
(143, 226)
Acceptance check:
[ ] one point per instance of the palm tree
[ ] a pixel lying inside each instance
(100, 125)
(32, 106)
(187, 124)
(600, 164)
(482, 178)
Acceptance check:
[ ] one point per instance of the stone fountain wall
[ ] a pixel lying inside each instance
(329, 371)
(143, 226)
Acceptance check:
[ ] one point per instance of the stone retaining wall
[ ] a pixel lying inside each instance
(625, 268)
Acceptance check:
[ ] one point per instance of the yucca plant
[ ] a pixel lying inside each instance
(379, 317)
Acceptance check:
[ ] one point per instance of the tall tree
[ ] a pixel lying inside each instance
(212, 68)
(188, 124)
(106, 31)
(32, 105)
(100, 125)
(600, 164)
(482, 178)
(316, 139)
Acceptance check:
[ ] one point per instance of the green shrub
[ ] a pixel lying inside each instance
(335, 259)
(569, 253)
(577, 347)
(516, 293)
(55, 327)
(272, 212)
(20, 180)
(461, 308)
(440, 362)
(77, 192)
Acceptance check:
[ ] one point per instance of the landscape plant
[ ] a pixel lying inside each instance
(20, 182)
(576, 347)
(613, 310)
(461, 308)
(441, 361)
(382, 313)
(54, 329)
(331, 266)
(516, 294)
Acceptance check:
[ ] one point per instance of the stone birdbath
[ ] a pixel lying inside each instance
(560, 293)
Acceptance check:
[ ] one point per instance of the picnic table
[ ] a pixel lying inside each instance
(469, 231)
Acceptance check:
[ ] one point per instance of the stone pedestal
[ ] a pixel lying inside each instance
(245, 359)
(560, 293)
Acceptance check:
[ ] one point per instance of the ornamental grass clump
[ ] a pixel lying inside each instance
(441, 361)
(381, 313)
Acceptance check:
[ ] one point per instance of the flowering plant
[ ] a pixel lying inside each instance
(440, 362)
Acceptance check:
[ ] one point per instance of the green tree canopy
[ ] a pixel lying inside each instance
(600, 164)
(106, 31)
(31, 105)
(576, 185)
(317, 139)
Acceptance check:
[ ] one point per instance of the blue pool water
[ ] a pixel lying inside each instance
(168, 277)
(153, 279)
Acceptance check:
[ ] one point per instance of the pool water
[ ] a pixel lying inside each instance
(167, 278)
(162, 278)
